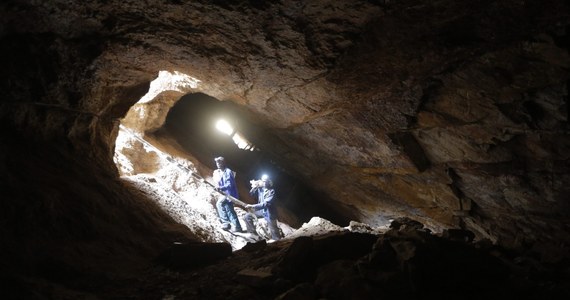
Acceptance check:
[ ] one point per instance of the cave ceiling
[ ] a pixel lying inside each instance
(454, 113)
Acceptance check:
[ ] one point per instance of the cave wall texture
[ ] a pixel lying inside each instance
(453, 113)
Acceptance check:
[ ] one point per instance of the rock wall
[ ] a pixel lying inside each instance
(452, 113)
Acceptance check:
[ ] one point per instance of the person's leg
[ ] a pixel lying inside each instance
(221, 205)
(274, 229)
(249, 219)
(232, 216)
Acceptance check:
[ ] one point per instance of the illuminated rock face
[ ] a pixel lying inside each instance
(451, 114)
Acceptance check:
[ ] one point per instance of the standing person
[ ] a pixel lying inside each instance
(225, 181)
(265, 207)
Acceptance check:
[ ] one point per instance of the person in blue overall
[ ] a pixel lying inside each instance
(224, 177)
(265, 207)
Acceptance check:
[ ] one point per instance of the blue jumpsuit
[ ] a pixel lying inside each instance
(227, 184)
(265, 207)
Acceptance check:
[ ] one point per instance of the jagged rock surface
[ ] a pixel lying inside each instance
(453, 113)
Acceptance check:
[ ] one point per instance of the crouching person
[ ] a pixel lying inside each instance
(263, 191)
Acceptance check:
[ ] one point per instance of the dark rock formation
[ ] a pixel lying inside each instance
(450, 113)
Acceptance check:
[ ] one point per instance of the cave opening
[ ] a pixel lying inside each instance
(194, 123)
(167, 137)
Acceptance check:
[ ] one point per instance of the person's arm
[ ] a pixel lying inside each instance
(217, 176)
(255, 188)
(228, 181)
(267, 200)
(253, 192)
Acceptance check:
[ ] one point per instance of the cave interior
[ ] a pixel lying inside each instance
(418, 148)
